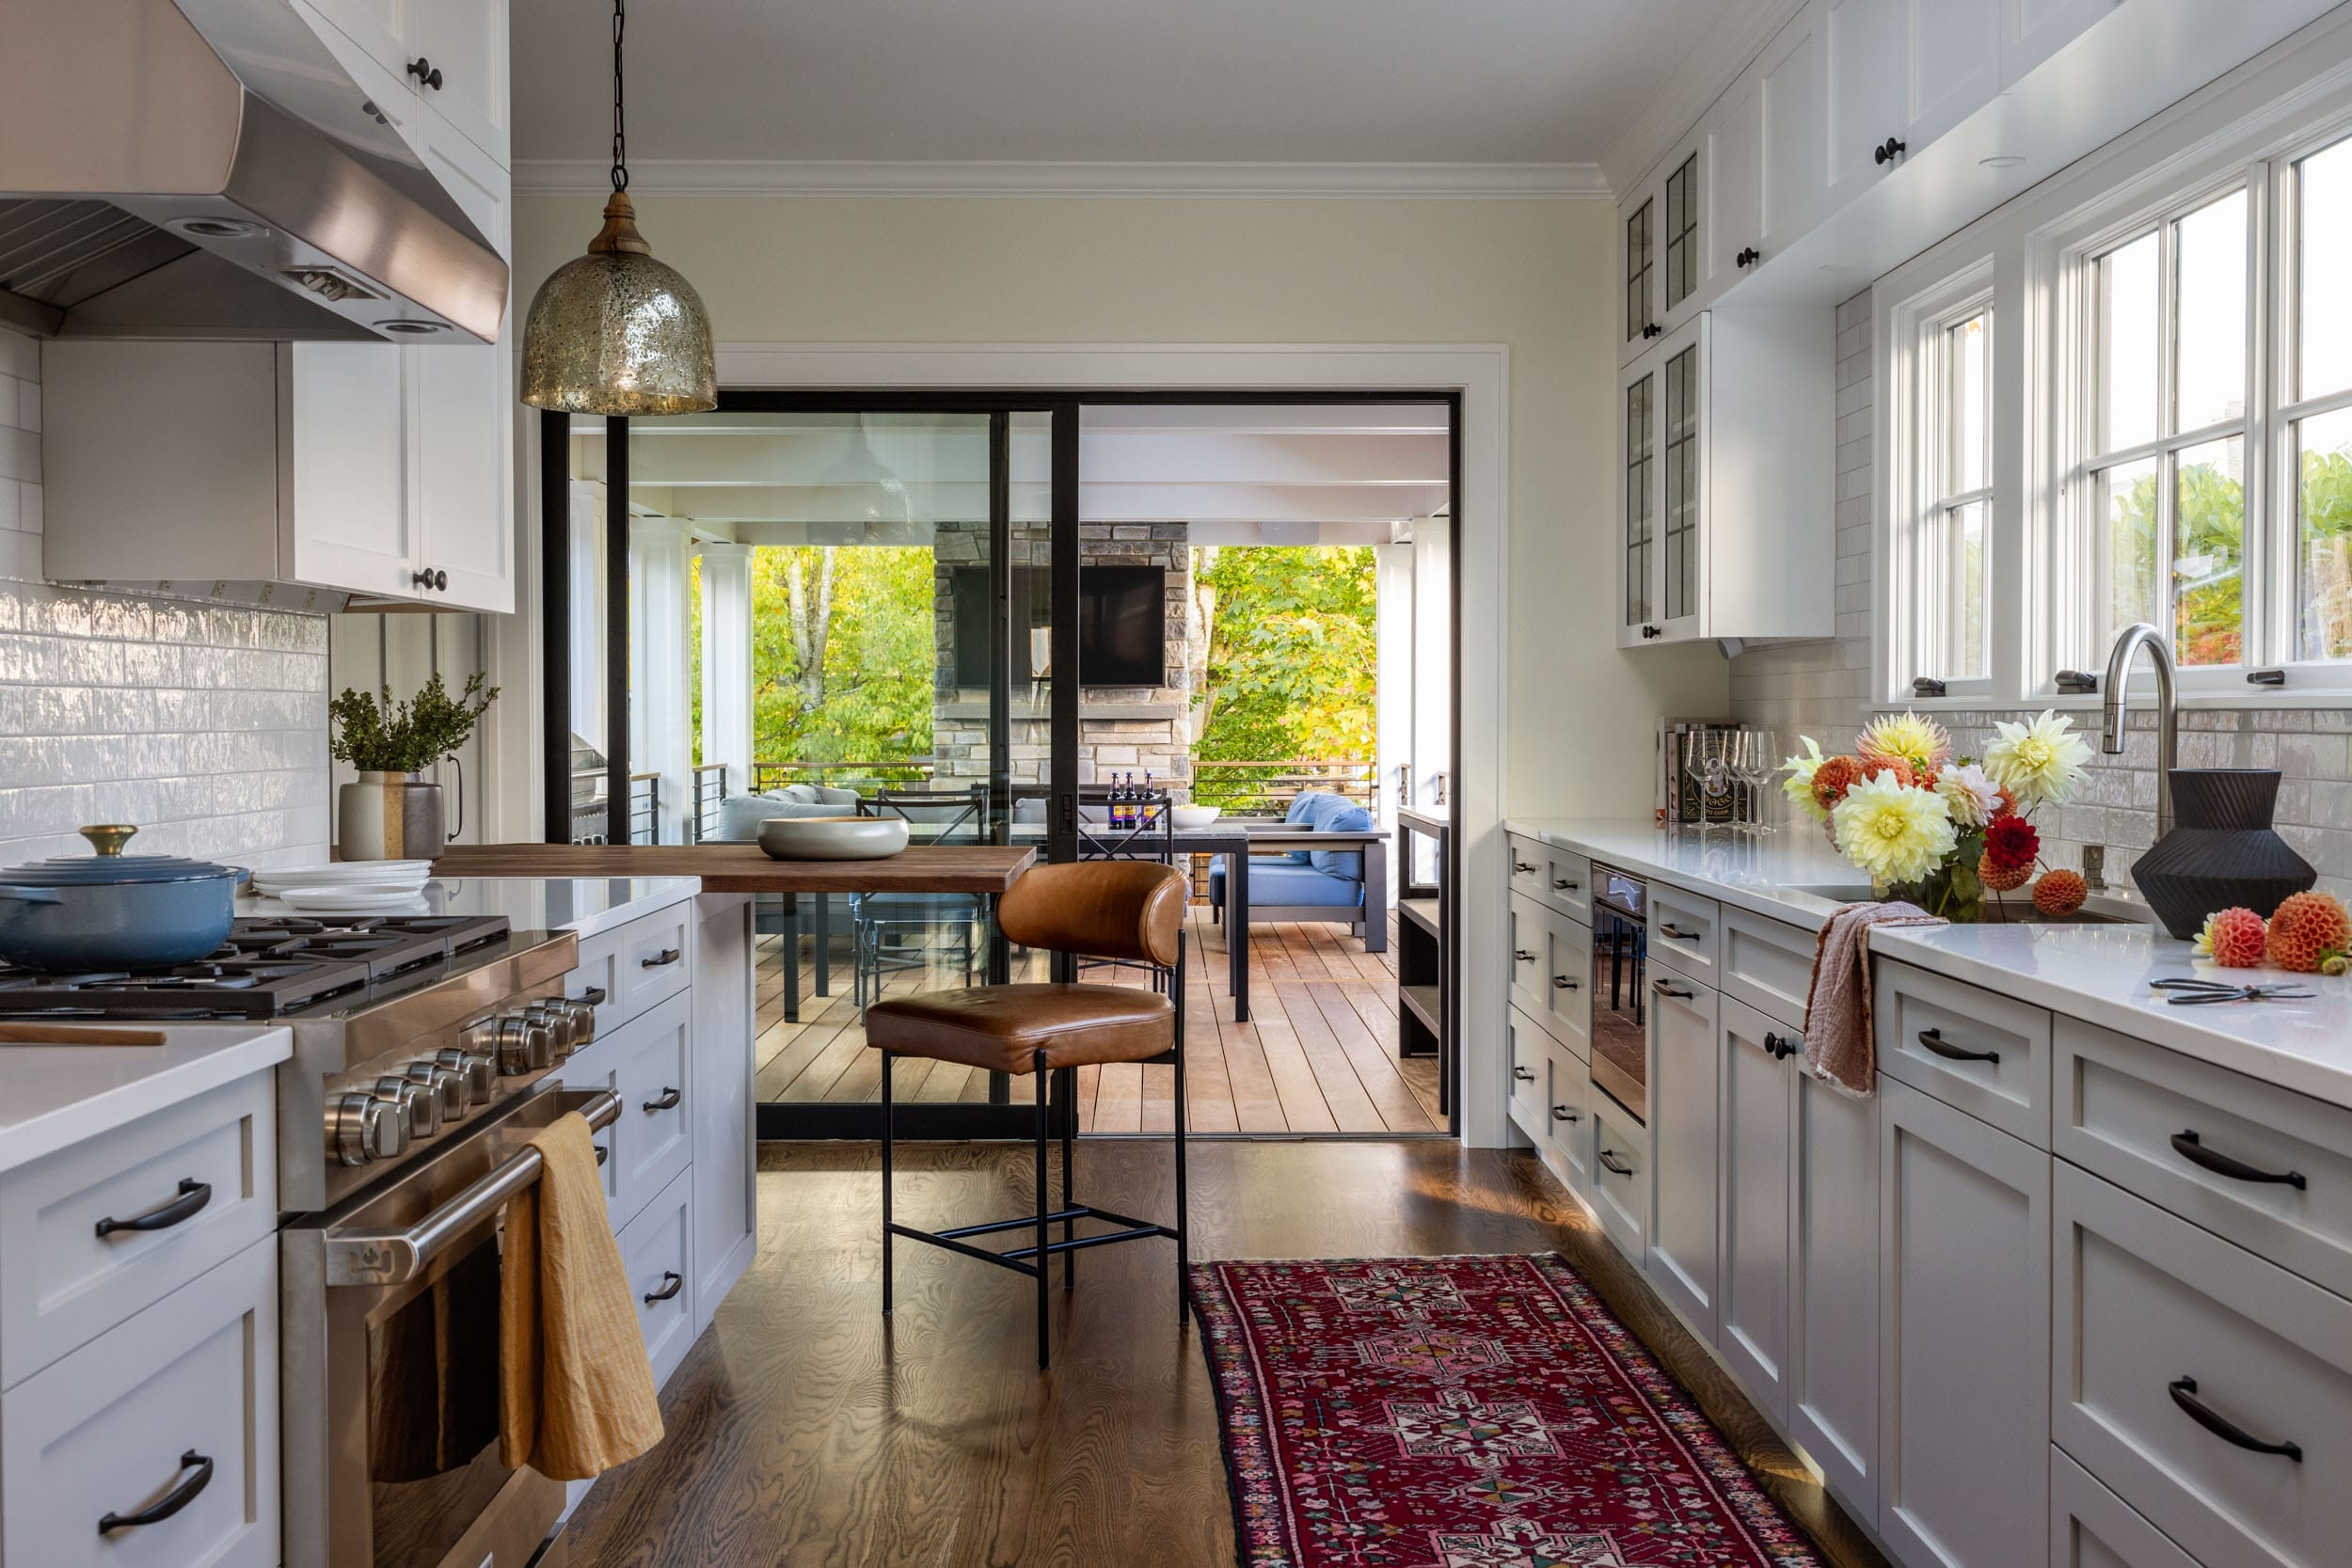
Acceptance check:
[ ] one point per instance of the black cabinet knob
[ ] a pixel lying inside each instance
(1889, 151)
(437, 582)
(1747, 257)
(1653, 330)
(426, 73)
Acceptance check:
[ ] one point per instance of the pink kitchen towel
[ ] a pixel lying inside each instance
(1838, 1031)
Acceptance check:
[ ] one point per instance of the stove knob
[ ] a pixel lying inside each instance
(421, 1110)
(538, 1042)
(524, 1045)
(361, 1128)
(557, 1021)
(583, 1016)
(444, 1086)
(480, 1072)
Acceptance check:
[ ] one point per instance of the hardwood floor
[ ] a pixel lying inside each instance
(1317, 1056)
(805, 1430)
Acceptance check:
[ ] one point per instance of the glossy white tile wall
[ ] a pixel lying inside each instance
(1823, 690)
(203, 723)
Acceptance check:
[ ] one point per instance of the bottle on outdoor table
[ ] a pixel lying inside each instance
(1150, 810)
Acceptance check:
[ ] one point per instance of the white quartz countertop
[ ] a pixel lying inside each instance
(52, 1096)
(580, 904)
(2098, 973)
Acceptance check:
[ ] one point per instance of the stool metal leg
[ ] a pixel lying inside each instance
(885, 1167)
(1044, 1259)
(1184, 1243)
(1067, 1090)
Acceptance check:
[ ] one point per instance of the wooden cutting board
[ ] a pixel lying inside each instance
(76, 1033)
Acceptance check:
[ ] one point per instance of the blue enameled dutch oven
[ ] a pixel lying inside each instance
(114, 910)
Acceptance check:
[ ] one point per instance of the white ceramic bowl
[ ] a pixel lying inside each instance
(1193, 818)
(833, 838)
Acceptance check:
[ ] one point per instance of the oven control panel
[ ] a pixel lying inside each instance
(390, 1107)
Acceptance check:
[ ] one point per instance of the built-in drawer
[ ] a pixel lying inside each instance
(1767, 964)
(2263, 1165)
(1685, 933)
(1560, 878)
(1621, 1178)
(1551, 972)
(2209, 1389)
(658, 1257)
(102, 1229)
(1526, 1048)
(2092, 1527)
(1985, 1053)
(1569, 1116)
(599, 1066)
(651, 1141)
(636, 965)
(178, 1404)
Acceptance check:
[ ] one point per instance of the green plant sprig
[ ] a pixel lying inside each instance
(379, 737)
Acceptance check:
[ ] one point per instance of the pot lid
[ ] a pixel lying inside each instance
(111, 870)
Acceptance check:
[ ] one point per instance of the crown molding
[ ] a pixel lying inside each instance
(1714, 62)
(1268, 180)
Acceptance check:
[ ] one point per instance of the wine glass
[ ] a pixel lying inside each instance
(1710, 765)
(1751, 765)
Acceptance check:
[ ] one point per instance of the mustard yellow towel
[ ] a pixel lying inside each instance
(576, 1391)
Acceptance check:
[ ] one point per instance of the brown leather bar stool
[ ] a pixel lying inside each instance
(1131, 909)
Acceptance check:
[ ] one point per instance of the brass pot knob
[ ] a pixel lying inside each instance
(108, 838)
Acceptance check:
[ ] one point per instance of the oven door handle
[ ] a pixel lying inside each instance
(379, 1257)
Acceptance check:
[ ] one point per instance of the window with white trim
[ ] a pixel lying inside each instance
(1955, 530)
(2317, 410)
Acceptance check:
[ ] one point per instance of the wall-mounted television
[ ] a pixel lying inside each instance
(1122, 624)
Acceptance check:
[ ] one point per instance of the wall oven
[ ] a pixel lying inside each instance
(392, 1350)
(1620, 1041)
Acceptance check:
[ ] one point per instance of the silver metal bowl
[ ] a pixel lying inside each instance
(833, 838)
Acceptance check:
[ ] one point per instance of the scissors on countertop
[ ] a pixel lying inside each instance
(2192, 992)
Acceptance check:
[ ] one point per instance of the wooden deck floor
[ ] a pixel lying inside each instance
(1317, 1056)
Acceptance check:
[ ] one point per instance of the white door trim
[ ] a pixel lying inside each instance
(1481, 372)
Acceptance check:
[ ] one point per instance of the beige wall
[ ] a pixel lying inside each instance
(1536, 276)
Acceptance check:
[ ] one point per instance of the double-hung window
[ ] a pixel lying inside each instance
(1955, 530)
(2315, 415)
(2163, 483)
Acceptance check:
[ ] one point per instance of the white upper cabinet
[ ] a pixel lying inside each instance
(1734, 135)
(1951, 62)
(449, 56)
(1863, 44)
(347, 523)
(2033, 30)
(1788, 78)
(1638, 222)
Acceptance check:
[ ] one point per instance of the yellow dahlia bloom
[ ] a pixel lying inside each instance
(1798, 786)
(2041, 760)
(1921, 742)
(1896, 832)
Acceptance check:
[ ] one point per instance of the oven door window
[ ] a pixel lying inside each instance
(1621, 1010)
(432, 1411)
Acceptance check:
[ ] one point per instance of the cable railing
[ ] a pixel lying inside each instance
(1266, 789)
(644, 808)
(864, 777)
(709, 782)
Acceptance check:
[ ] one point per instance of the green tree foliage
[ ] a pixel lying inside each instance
(2207, 564)
(2326, 555)
(842, 653)
(1291, 661)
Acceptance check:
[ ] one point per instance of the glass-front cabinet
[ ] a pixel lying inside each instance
(1662, 490)
(1663, 233)
(1641, 273)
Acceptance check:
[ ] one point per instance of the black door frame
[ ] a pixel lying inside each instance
(1064, 407)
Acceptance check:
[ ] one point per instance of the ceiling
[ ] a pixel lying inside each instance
(1103, 81)
(1330, 474)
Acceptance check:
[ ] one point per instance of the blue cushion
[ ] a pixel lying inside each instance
(1275, 883)
(1336, 814)
(740, 815)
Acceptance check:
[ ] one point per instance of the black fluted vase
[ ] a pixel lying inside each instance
(2222, 851)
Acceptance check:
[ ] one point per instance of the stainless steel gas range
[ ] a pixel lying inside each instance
(423, 1049)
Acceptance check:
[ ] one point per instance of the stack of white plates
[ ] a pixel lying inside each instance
(347, 887)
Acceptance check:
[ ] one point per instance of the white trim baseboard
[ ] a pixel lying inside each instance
(1480, 371)
(1199, 181)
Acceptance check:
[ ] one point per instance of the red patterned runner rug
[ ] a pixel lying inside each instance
(1480, 1412)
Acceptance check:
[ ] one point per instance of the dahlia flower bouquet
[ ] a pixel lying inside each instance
(1939, 831)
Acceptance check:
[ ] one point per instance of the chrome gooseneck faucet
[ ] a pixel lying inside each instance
(2135, 637)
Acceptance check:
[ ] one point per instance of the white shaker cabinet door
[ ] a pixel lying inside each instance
(1952, 63)
(1965, 1341)
(1864, 45)
(463, 47)
(1758, 1091)
(1833, 1288)
(1735, 159)
(1790, 76)
(726, 1152)
(349, 524)
(1685, 1110)
(2033, 30)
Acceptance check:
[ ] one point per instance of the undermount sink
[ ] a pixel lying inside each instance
(2016, 908)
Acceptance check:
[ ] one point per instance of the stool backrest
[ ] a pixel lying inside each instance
(1101, 908)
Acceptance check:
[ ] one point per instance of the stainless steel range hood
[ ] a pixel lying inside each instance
(152, 185)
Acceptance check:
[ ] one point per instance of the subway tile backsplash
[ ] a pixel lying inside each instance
(1823, 689)
(204, 724)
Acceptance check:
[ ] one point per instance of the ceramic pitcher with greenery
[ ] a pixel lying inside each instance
(390, 812)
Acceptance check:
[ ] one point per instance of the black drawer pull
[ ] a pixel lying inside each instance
(1520, 955)
(1562, 982)
(1664, 990)
(194, 1194)
(1933, 1040)
(1561, 1112)
(1561, 884)
(594, 996)
(170, 1502)
(666, 957)
(2183, 1392)
(672, 1284)
(668, 1101)
(1677, 933)
(2187, 1145)
(602, 1153)
(1520, 868)
(1522, 1075)
(1609, 1161)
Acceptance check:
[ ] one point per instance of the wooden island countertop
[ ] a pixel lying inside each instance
(745, 868)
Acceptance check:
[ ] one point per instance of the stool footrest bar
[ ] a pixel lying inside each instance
(1001, 1260)
(1080, 1242)
(1025, 1223)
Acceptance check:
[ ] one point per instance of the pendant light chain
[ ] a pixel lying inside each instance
(620, 126)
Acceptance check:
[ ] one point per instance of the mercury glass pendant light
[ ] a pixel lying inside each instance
(615, 331)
